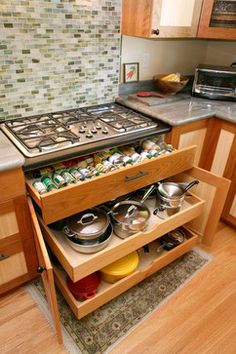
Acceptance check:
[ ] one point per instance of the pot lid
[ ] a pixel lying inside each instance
(122, 266)
(89, 223)
(130, 211)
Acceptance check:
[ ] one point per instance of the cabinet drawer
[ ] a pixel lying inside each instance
(78, 265)
(70, 200)
(148, 264)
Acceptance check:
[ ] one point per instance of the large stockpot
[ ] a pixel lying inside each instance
(129, 217)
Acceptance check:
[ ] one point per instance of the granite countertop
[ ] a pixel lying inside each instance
(10, 157)
(185, 110)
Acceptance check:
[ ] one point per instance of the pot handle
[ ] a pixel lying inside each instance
(90, 294)
(68, 232)
(90, 217)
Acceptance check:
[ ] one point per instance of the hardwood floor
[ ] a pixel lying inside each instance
(199, 319)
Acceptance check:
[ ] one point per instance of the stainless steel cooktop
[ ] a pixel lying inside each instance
(47, 133)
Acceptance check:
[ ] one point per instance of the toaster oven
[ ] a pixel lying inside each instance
(215, 82)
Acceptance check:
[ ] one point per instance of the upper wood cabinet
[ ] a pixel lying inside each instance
(160, 18)
(218, 20)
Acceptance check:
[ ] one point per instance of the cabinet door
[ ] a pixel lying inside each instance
(218, 19)
(14, 221)
(186, 135)
(177, 18)
(46, 270)
(161, 18)
(213, 189)
(219, 157)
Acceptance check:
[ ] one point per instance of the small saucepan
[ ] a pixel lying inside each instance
(170, 195)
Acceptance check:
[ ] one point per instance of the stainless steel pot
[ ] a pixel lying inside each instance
(87, 226)
(97, 244)
(170, 195)
(129, 217)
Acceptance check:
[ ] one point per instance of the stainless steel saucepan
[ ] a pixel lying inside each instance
(170, 195)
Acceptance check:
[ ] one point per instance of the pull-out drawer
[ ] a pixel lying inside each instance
(78, 265)
(70, 200)
(148, 264)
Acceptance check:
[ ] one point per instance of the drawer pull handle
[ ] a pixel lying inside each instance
(139, 175)
(3, 256)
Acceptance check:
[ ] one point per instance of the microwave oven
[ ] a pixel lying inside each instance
(215, 82)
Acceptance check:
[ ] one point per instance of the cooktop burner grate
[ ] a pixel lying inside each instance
(55, 131)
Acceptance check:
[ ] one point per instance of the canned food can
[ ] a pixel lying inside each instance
(127, 160)
(39, 186)
(47, 181)
(153, 153)
(58, 180)
(116, 159)
(101, 168)
(109, 166)
(85, 173)
(75, 173)
(67, 177)
(135, 157)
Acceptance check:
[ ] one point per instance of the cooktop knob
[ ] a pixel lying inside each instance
(98, 125)
(105, 130)
(89, 134)
(82, 129)
(94, 130)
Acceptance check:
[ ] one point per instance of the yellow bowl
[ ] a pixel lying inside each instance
(169, 87)
(120, 268)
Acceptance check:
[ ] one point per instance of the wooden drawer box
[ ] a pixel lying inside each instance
(78, 265)
(148, 264)
(70, 200)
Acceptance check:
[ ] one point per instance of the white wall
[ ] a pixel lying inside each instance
(221, 52)
(165, 56)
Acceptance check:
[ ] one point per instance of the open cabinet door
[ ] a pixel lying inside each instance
(213, 189)
(46, 270)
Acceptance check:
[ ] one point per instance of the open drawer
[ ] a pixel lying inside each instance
(70, 200)
(149, 263)
(78, 265)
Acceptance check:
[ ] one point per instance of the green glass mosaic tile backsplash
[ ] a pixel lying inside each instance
(57, 54)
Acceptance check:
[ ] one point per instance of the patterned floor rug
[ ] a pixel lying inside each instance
(99, 331)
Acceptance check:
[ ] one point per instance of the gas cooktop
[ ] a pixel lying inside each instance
(52, 132)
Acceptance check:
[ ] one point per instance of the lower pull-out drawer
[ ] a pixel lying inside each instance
(56, 205)
(149, 263)
(78, 265)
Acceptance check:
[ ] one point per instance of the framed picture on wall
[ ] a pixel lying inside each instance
(131, 72)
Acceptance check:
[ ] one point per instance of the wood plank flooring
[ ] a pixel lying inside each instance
(199, 319)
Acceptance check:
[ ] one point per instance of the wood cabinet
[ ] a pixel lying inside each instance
(160, 18)
(199, 215)
(216, 152)
(18, 259)
(218, 20)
